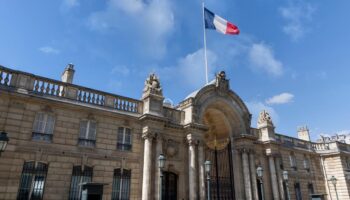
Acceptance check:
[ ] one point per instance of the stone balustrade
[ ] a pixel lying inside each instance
(331, 147)
(41, 86)
(317, 147)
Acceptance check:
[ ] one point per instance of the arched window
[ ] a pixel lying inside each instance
(121, 184)
(32, 181)
(43, 126)
(79, 176)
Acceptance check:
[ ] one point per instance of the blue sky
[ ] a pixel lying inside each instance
(291, 58)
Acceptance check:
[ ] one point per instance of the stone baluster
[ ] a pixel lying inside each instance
(279, 178)
(246, 175)
(202, 174)
(274, 183)
(147, 165)
(253, 175)
(192, 143)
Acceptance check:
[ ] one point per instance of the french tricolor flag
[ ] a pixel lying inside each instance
(213, 21)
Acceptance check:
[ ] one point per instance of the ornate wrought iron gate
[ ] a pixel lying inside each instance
(221, 174)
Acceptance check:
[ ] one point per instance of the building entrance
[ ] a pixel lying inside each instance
(219, 152)
(221, 173)
(169, 187)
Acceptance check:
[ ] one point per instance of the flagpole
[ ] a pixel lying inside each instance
(205, 47)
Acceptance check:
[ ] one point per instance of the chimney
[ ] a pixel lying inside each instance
(68, 74)
(303, 133)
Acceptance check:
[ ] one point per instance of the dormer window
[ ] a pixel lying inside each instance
(87, 135)
(43, 127)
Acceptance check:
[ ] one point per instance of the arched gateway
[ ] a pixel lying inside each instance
(225, 118)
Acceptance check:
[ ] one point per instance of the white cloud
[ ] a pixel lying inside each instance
(262, 57)
(193, 63)
(49, 50)
(190, 68)
(121, 69)
(280, 98)
(68, 4)
(297, 15)
(256, 107)
(150, 22)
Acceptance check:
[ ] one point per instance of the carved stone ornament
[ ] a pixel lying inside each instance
(148, 135)
(221, 83)
(152, 85)
(172, 148)
(264, 117)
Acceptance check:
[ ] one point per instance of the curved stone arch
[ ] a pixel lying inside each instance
(230, 104)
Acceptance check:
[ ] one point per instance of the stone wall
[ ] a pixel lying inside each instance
(18, 112)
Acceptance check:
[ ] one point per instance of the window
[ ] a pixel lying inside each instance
(43, 126)
(32, 181)
(87, 136)
(121, 184)
(306, 163)
(293, 162)
(124, 139)
(348, 163)
(79, 176)
(297, 191)
(310, 189)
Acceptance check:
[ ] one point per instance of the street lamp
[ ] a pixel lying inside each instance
(334, 182)
(285, 178)
(207, 166)
(259, 173)
(3, 141)
(161, 164)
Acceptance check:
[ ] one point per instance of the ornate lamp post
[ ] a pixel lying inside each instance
(207, 166)
(161, 164)
(259, 173)
(3, 141)
(285, 178)
(334, 182)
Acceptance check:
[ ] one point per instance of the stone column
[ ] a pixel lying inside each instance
(253, 175)
(279, 178)
(159, 150)
(192, 171)
(274, 183)
(246, 175)
(201, 171)
(147, 166)
(237, 171)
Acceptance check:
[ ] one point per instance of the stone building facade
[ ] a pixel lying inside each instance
(64, 137)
